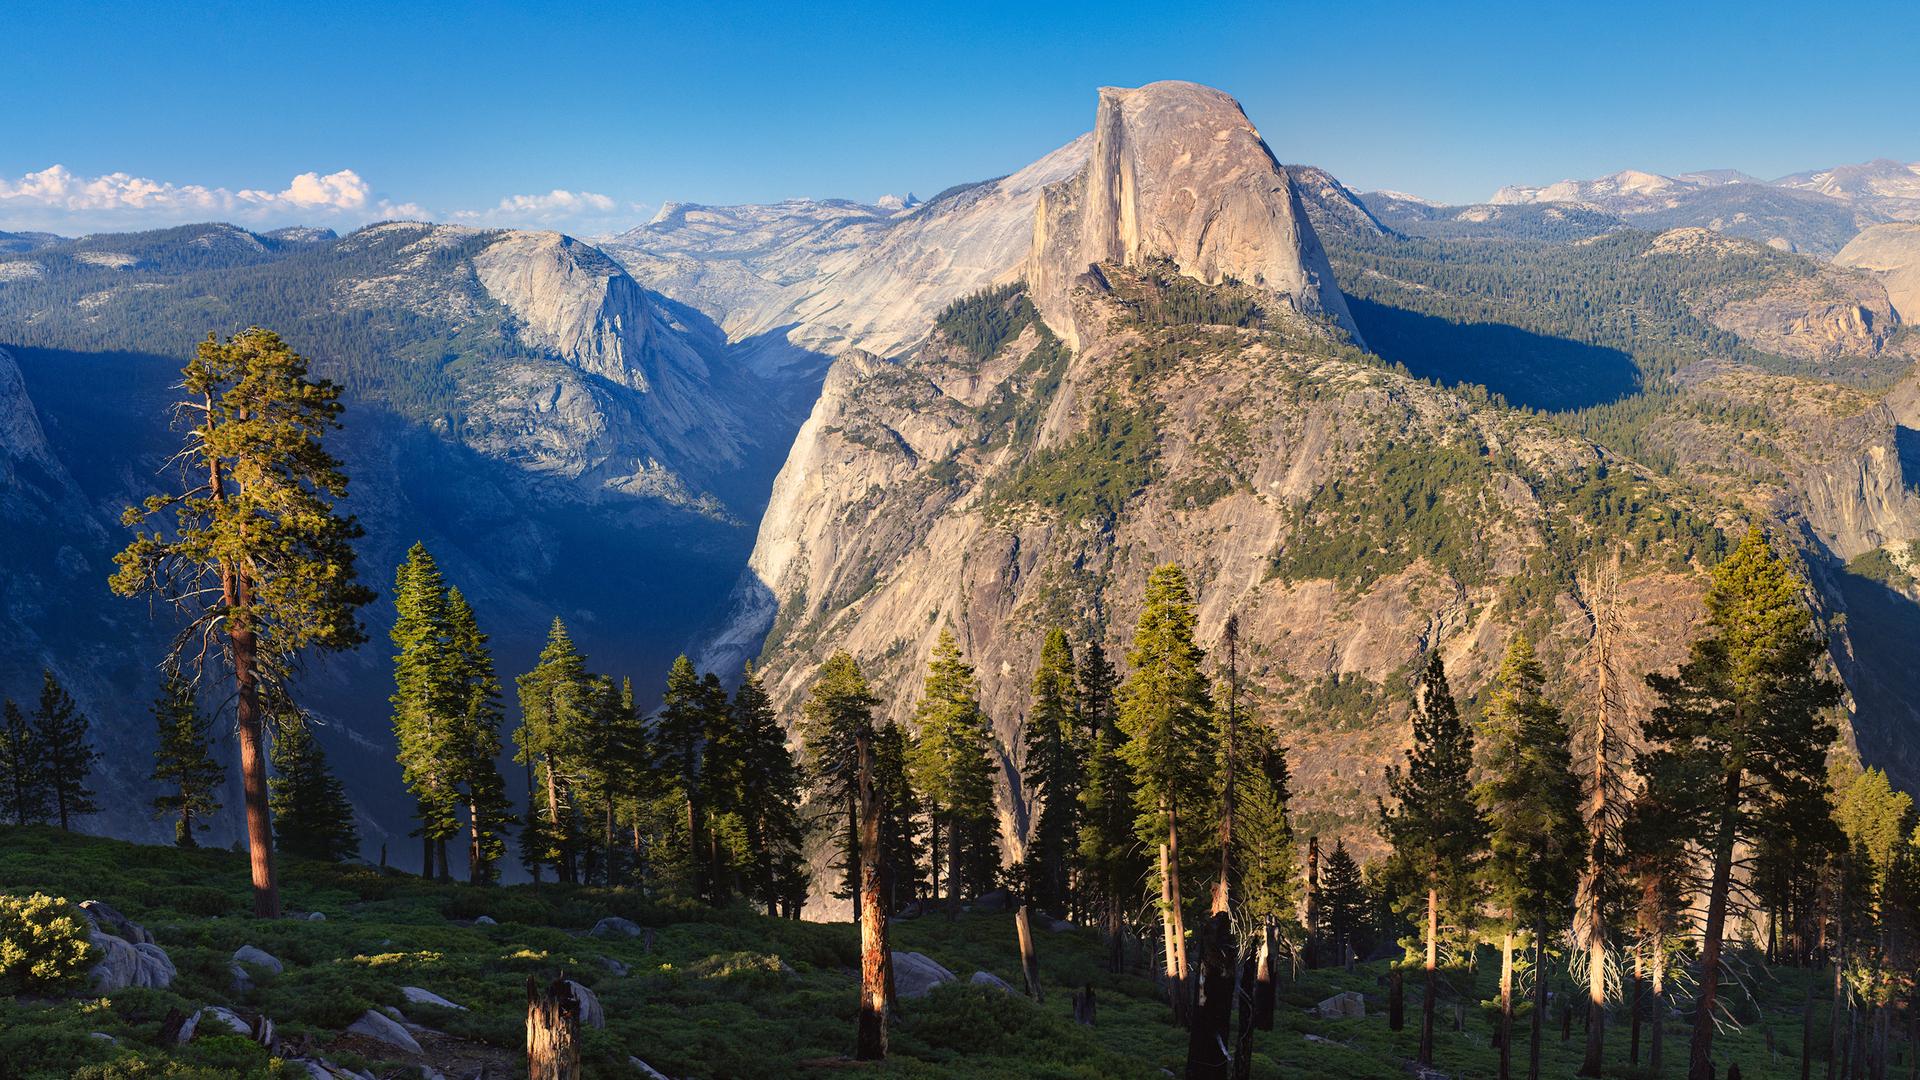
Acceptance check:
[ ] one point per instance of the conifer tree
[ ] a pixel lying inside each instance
(474, 742)
(28, 798)
(1165, 712)
(1345, 901)
(556, 703)
(60, 729)
(682, 725)
(1530, 798)
(899, 813)
(1742, 721)
(183, 764)
(1654, 844)
(1111, 865)
(256, 556)
(1055, 753)
(953, 770)
(770, 797)
(725, 833)
(838, 708)
(427, 702)
(1602, 752)
(1434, 825)
(311, 815)
(1268, 872)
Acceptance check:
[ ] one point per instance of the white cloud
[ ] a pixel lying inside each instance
(57, 199)
(576, 211)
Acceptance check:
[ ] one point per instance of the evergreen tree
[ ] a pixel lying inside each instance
(556, 703)
(1055, 753)
(311, 815)
(899, 813)
(1741, 722)
(474, 742)
(1344, 899)
(1530, 797)
(682, 725)
(1268, 880)
(1434, 825)
(725, 833)
(60, 729)
(427, 703)
(29, 799)
(183, 763)
(1165, 712)
(1654, 844)
(769, 800)
(256, 557)
(837, 713)
(952, 768)
(1110, 858)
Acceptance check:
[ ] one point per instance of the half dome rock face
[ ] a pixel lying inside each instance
(1177, 172)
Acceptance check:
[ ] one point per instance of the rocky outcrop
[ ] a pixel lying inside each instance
(1892, 252)
(382, 1028)
(1177, 172)
(592, 1013)
(915, 975)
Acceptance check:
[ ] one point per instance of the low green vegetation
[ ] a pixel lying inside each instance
(1404, 502)
(1092, 475)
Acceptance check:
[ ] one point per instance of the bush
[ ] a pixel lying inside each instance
(197, 900)
(43, 944)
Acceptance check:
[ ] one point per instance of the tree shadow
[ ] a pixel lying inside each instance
(1527, 368)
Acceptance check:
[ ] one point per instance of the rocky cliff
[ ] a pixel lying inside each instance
(1891, 251)
(1177, 172)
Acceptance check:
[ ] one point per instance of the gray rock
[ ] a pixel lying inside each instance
(316, 916)
(615, 926)
(122, 964)
(381, 1028)
(991, 981)
(591, 1013)
(260, 958)
(105, 918)
(417, 996)
(485, 920)
(645, 1069)
(914, 975)
(239, 980)
(393, 1013)
(103, 1036)
(994, 900)
(1340, 1006)
(613, 965)
(213, 1019)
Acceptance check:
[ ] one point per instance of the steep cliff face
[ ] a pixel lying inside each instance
(1176, 171)
(1891, 251)
(1350, 516)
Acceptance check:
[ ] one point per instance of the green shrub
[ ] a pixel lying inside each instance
(43, 944)
(197, 900)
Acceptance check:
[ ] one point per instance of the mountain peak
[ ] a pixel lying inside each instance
(1177, 171)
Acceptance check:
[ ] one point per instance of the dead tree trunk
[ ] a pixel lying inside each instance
(1432, 981)
(1222, 887)
(1212, 1016)
(1247, 997)
(1396, 999)
(1312, 912)
(1029, 963)
(875, 963)
(1266, 990)
(553, 1031)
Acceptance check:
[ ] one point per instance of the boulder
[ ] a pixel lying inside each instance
(485, 920)
(123, 964)
(417, 996)
(260, 958)
(615, 926)
(316, 916)
(995, 900)
(1340, 1006)
(645, 1069)
(591, 1013)
(914, 975)
(991, 981)
(613, 965)
(382, 1028)
(106, 918)
(213, 1019)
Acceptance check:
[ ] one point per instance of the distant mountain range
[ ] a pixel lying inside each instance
(768, 431)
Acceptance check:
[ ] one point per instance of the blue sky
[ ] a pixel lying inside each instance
(587, 116)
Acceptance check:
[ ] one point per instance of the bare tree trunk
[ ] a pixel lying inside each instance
(1266, 992)
(476, 863)
(1207, 1034)
(1222, 888)
(253, 773)
(1700, 1056)
(1639, 1001)
(440, 853)
(1599, 819)
(1248, 998)
(1539, 1017)
(1659, 1009)
(1312, 913)
(876, 964)
(1396, 999)
(1506, 1005)
(1836, 1037)
(553, 1031)
(1590, 1064)
(1029, 963)
(1432, 968)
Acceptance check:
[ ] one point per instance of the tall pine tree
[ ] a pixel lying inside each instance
(1112, 869)
(426, 701)
(68, 756)
(556, 711)
(1742, 721)
(837, 714)
(183, 763)
(1434, 826)
(474, 744)
(29, 799)
(770, 787)
(1056, 750)
(952, 768)
(311, 815)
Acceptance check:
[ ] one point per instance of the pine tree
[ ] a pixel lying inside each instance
(311, 815)
(1345, 901)
(1165, 712)
(1601, 751)
(256, 558)
(837, 713)
(1268, 880)
(427, 702)
(60, 729)
(1654, 839)
(556, 702)
(1530, 798)
(953, 770)
(1055, 752)
(28, 797)
(899, 813)
(770, 799)
(682, 725)
(1111, 865)
(474, 742)
(720, 789)
(183, 763)
(1742, 721)
(1434, 825)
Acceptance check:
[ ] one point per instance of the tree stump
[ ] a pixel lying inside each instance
(553, 1031)
(1083, 1006)
(1396, 1000)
